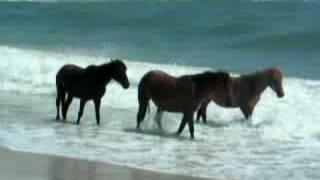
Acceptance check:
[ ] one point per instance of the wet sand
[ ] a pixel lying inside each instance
(29, 166)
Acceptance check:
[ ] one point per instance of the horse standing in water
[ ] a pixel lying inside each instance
(87, 84)
(183, 94)
(246, 91)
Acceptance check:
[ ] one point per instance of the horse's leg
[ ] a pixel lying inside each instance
(61, 95)
(82, 104)
(158, 118)
(246, 110)
(66, 105)
(58, 108)
(191, 124)
(202, 112)
(199, 113)
(182, 124)
(97, 103)
(141, 113)
(58, 105)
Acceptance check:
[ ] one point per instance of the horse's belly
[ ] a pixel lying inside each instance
(85, 92)
(169, 104)
(222, 103)
(226, 106)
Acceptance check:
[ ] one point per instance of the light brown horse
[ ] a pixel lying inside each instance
(181, 94)
(246, 91)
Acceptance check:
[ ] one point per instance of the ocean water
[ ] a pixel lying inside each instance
(37, 38)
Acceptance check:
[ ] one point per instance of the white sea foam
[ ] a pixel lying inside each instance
(282, 142)
(30, 71)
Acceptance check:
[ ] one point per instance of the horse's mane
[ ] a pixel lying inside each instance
(208, 76)
(115, 62)
(261, 72)
(100, 71)
(107, 65)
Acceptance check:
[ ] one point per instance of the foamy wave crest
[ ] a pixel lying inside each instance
(34, 72)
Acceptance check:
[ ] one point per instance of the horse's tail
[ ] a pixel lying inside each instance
(143, 100)
(60, 91)
(59, 82)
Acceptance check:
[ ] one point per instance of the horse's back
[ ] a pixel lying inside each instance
(70, 69)
(71, 78)
(159, 83)
(168, 92)
(157, 75)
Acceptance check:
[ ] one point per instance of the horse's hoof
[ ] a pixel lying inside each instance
(249, 123)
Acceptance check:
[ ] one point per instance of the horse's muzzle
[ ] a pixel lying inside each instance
(280, 95)
(126, 85)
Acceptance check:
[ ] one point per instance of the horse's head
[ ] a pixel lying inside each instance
(119, 74)
(275, 81)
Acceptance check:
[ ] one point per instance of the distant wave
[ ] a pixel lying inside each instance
(291, 41)
(31, 71)
(79, 1)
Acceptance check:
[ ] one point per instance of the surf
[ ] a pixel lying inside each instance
(32, 72)
(27, 103)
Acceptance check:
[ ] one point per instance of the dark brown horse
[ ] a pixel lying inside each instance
(183, 94)
(87, 84)
(246, 91)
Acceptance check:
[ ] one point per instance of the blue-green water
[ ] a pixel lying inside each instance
(37, 38)
(239, 36)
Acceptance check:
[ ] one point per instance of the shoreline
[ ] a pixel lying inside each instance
(18, 165)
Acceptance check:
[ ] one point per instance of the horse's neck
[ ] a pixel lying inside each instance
(202, 92)
(259, 82)
(103, 74)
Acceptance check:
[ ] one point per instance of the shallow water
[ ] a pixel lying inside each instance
(223, 149)
(281, 142)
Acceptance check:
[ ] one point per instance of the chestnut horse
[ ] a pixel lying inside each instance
(246, 91)
(181, 94)
(87, 84)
